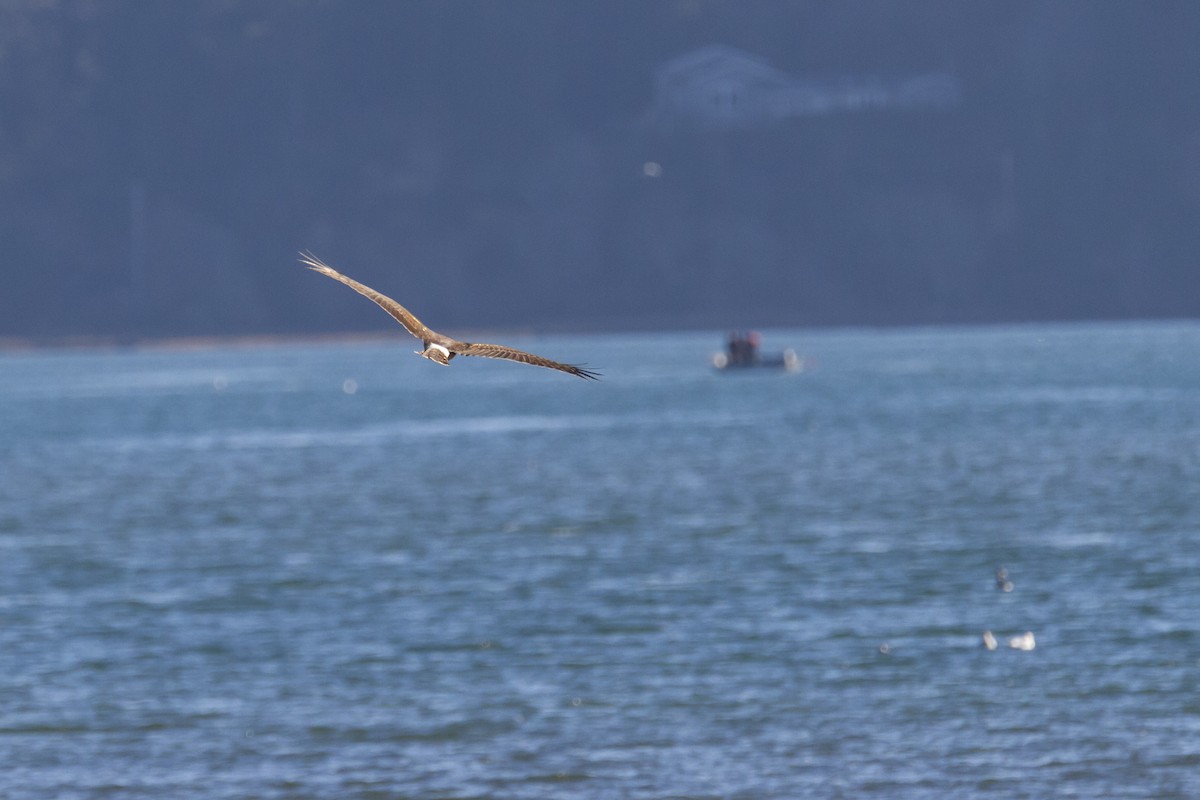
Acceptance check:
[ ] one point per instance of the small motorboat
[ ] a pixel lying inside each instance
(742, 352)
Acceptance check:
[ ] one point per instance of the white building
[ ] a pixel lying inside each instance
(723, 87)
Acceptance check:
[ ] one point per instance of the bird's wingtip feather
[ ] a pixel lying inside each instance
(587, 374)
(311, 261)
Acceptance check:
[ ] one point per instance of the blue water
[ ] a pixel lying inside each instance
(341, 571)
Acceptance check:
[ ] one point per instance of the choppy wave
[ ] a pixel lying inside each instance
(668, 584)
(381, 434)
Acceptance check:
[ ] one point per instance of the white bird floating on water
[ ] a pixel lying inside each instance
(1023, 642)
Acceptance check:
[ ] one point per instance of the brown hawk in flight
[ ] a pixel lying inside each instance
(438, 347)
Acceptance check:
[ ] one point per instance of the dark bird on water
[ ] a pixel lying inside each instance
(438, 347)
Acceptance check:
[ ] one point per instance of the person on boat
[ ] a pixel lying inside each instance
(753, 340)
(742, 348)
(735, 347)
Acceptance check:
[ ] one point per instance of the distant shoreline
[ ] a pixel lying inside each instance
(17, 344)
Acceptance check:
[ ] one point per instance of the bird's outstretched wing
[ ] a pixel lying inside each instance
(512, 354)
(401, 314)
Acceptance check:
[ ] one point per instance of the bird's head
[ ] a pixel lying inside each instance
(436, 353)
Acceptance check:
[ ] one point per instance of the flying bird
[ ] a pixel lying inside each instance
(438, 347)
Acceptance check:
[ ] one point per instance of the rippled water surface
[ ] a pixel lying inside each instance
(340, 571)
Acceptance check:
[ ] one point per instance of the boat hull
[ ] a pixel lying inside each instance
(787, 361)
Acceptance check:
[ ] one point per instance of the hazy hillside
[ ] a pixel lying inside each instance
(528, 164)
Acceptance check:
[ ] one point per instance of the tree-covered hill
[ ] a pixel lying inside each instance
(516, 164)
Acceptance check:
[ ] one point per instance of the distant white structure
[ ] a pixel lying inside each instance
(723, 87)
